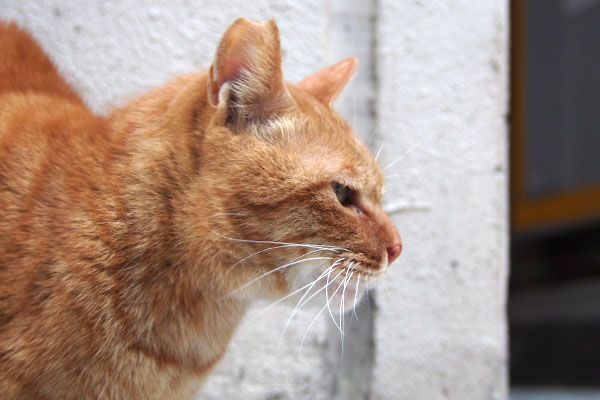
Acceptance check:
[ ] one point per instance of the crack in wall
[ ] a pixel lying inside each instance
(351, 366)
(353, 33)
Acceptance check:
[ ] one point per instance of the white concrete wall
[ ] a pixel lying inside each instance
(439, 81)
(442, 70)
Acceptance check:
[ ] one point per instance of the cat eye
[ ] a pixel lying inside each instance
(342, 193)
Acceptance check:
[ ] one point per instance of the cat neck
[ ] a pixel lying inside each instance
(162, 133)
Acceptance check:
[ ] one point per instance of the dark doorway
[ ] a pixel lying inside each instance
(554, 300)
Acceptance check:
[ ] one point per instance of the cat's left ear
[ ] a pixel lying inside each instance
(327, 84)
(246, 75)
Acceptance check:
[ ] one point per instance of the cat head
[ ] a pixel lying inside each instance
(295, 196)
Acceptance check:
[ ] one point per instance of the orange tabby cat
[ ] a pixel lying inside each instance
(131, 245)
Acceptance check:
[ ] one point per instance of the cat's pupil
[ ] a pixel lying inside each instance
(342, 193)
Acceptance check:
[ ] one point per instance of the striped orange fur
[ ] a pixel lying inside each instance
(131, 245)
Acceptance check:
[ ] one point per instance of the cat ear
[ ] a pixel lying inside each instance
(246, 72)
(327, 84)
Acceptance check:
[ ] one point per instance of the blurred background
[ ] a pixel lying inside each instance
(554, 303)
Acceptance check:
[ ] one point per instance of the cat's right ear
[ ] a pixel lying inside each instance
(246, 75)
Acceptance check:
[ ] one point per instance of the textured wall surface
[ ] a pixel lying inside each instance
(432, 91)
(114, 49)
(442, 70)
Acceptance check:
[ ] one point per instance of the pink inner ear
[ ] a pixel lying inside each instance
(230, 67)
(236, 48)
(252, 47)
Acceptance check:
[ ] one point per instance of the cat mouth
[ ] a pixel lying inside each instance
(342, 288)
(336, 283)
(363, 265)
(345, 278)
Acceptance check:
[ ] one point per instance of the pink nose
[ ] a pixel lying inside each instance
(393, 252)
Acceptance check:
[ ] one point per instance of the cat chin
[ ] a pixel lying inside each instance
(340, 290)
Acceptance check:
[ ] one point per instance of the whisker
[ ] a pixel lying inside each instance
(298, 290)
(387, 177)
(356, 296)
(264, 310)
(368, 296)
(312, 246)
(401, 157)
(372, 134)
(343, 305)
(341, 308)
(328, 300)
(299, 305)
(320, 290)
(277, 247)
(289, 264)
(345, 286)
(285, 297)
(255, 253)
(309, 253)
(313, 321)
(379, 151)
(344, 282)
